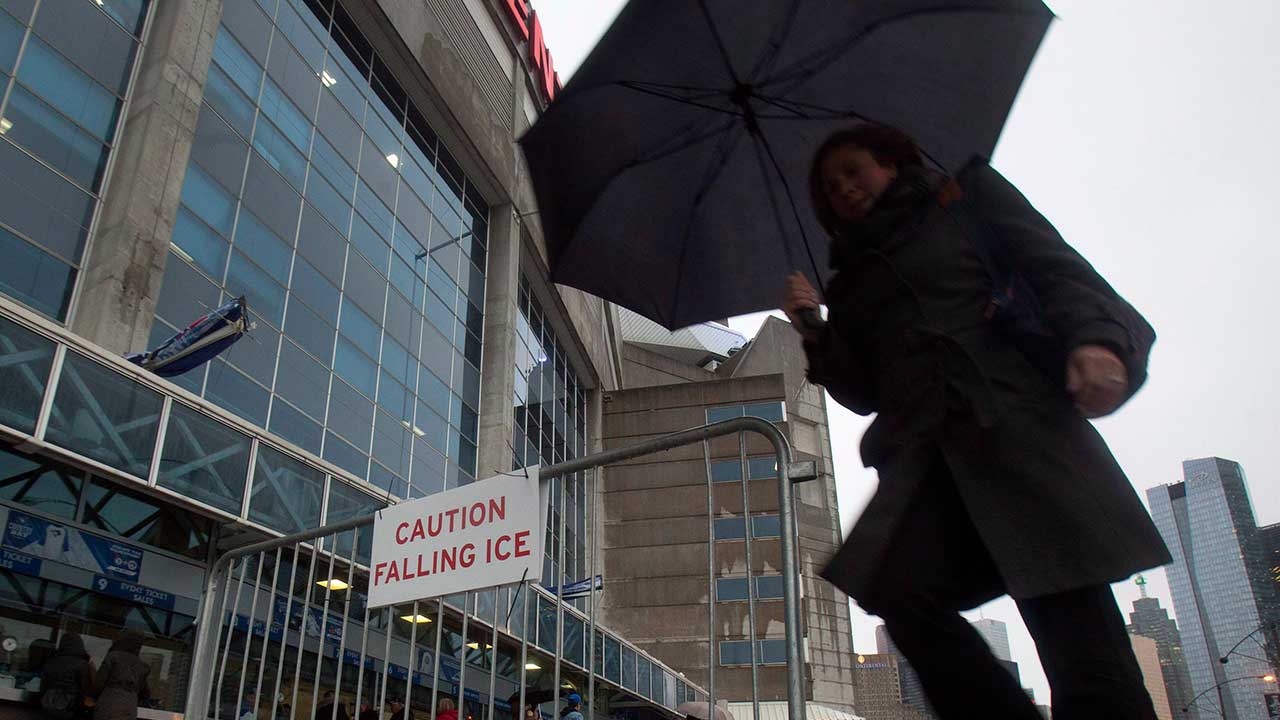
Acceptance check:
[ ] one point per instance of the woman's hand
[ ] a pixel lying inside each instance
(798, 297)
(1096, 380)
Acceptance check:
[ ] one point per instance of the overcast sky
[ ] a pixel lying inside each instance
(1148, 131)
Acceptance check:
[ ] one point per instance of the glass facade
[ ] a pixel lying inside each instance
(317, 190)
(64, 69)
(1208, 524)
(550, 427)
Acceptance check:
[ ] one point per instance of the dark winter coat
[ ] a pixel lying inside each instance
(122, 680)
(69, 669)
(908, 340)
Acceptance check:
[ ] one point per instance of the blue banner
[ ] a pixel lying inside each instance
(19, 563)
(54, 541)
(139, 594)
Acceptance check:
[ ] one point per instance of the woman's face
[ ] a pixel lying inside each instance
(853, 180)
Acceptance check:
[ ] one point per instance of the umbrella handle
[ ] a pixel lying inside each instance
(811, 320)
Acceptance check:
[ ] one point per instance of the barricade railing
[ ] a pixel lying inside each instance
(238, 657)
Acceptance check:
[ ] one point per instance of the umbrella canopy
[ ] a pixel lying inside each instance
(200, 342)
(702, 711)
(672, 171)
(532, 696)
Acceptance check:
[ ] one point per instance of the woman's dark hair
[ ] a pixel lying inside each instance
(129, 641)
(888, 145)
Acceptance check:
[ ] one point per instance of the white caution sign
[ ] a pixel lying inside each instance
(487, 533)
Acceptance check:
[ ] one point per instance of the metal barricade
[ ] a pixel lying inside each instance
(280, 630)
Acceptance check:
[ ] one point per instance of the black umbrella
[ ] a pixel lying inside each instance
(672, 171)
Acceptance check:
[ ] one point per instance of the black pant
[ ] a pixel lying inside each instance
(1080, 637)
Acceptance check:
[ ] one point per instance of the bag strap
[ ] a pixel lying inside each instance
(965, 211)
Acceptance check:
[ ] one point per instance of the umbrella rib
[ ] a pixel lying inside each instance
(724, 148)
(715, 34)
(807, 66)
(689, 142)
(795, 211)
(679, 99)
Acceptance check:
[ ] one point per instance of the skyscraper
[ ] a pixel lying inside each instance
(996, 634)
(1148, 657)
(1151, 620)
(1208, 523)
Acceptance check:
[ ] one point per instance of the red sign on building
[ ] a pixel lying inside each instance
(530, 30)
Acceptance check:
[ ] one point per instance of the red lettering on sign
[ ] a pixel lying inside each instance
(521, 549)
(518, 11)
(497, 547)
(400, 539)
(467, 555)
(377, 572)
(498, 508)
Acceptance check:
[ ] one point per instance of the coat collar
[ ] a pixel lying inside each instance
(902, 200)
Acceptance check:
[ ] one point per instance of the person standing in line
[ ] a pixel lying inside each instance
(991, 475)
(122, 680)
(66, 680)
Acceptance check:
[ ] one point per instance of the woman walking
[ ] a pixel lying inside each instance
(992, 480)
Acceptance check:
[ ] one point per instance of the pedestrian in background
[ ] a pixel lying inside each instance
(122, 680)
(992, 480)
(66, 680)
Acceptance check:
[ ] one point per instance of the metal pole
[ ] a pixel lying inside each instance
(435, 671)
(302, 632)
(284, 632)
(493, 658)
(524, 651)
(266, 633)
(745, 471)
(410, 663)
(342, 632)
(560, 579)
(248, 635)
(462, 654)
(324, 620)
(711, 583)
(231, 628)
(591, 580)
(790, 573)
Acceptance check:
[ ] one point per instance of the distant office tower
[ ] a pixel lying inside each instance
(879, 690)
(996, 634)
(1151, 620)
(1219, 590)
(1144, 649)
(908, 680)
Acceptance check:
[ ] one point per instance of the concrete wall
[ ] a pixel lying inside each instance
(656, 551)
(645, 368)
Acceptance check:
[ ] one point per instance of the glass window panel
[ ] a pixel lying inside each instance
(431, 428)
(280, 153)
(729, 529)
(222, 94)
(345, 503)
(299, 29)
(735, 652)
(612, 659)
(332, 206)
(184, 294)
(365, 285)
(68, 89)
(299, 81)
(311, 332)
(385, 480)
(286, 493)
(34, 277)
(574, 640)
(255, 353)
(204, 459)
(343, 132)
(644, 676)
(322, 245)
(104, 416)
(313, 289)
(391, 442)
(341, 453)
(49, 135)
(237, 393)
(250, 25)
(136, 516)
(379, 170)
(407, 282)
(128, 13)
(772, 652)
(263, 294)
(350, 414)
(769, 587)
(628, 668)
(428, 469)
(438, 312)
(295, 427)
(210, 201)
(546, 625)
(434, 391)
(218, 149)
(715, 415)
(731, 589)
(271, 198)
(25, 360)
(11, 32)
(419, 182)
(264, 247)
(331, 165)
(763, 526)
(360, 328)
(414, 214)
(762, 468)
(38, 483)
(41, 205)
(306, 383)
(394, 397)
(90, 39)
(400, 319)
(346, 84)
(771, 411)
(355, 367)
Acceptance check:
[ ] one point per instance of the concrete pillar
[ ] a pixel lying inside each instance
(120, 283)
(502, 293)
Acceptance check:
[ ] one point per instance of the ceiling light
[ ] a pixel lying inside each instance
(394, 159)
(333, 584)
(327, 79)
(532, 666)
(5, 124)
(417, 619)
(476, 646)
